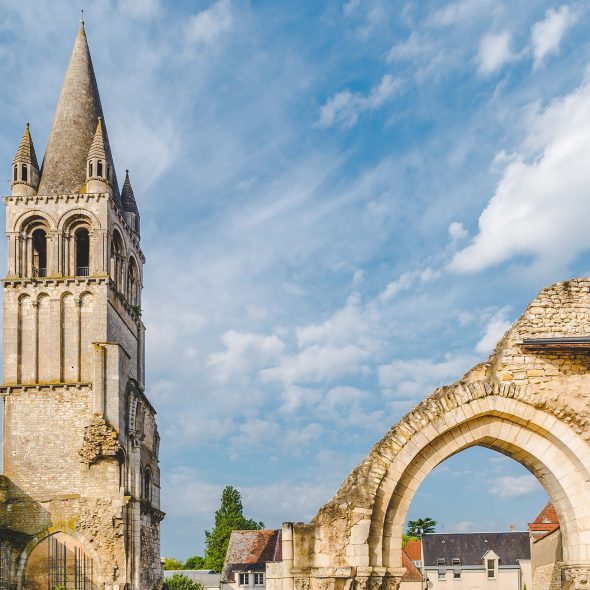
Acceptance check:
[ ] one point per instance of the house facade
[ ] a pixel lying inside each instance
(477, 561)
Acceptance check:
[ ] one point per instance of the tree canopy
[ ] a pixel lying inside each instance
(228, 518)
(181, 582)
(171, 563)
(196, 562)
(421, 526)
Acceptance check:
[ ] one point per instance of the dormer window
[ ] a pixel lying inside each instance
(25, 172)
(456, 561)
(441, 561)
(99, 169)
(491, 569)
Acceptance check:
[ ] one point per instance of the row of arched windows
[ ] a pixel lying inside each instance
(77, 250)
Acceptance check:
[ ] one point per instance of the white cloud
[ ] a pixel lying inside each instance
(546, 35)
(495, 329)
(539, 205)
(206, 26)
(140, 8)
(494, 52)
(457, 232)
(345, 107)
(413, 47)
(509, 486)
(418, 377)
(456, 12)
(408, 280)
(244, 352)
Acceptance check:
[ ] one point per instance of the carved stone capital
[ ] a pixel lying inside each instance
(391, 583)
(301, 583)
(576, 577)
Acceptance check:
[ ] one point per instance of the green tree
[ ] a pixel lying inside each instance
(171, 563)
(182, 582)
(196, 562)
(421, 526)
(228, 518)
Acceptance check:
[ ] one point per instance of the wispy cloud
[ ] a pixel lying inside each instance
(494, 52)
(345, 108)
(509, 486)
(546, 35)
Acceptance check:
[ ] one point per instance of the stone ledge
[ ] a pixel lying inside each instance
(38, 387)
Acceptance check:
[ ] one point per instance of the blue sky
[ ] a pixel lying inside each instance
(344, 205)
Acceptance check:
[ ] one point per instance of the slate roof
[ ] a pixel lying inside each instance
(74, 126)
(471, 547)
(412, 572)
(26, 150)
(251, 551)
(205, 577)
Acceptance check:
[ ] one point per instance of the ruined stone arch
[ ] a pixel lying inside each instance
(530, 401)
(36, 543)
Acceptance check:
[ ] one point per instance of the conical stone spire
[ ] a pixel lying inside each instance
(25, 154)
(100, 148)
(74, 125)
(127, 196)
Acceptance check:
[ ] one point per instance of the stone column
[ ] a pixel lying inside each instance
(56, 345)
(78, 337)
(576, 577)
(29, 256)
(99, 379)
(36, 347)
(12, 239)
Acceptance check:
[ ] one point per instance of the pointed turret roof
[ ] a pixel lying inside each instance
(127, 196)
(74, 126)
(99, 148)
(26, 150)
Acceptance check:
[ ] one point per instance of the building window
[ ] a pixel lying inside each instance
(82, 252)
(491, 568)
(39, 244)
(147, 485)
(244, 579)
(25, 173)
(15, 173)
(108, 172)
(258, 579)
(442, 575)
(99, 169)
(456, 561)
(90, 170)
(456, 574)
(440, 561)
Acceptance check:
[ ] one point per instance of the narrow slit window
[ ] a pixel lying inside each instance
(89, 169)
(108, 172)
(99, 168)
(25, 173)
(15, 173)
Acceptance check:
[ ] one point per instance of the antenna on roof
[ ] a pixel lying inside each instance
(82, 17)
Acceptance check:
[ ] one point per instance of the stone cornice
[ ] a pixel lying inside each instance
(50, 281)
(8, 389)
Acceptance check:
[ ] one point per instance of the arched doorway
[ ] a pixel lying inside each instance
(60, 561)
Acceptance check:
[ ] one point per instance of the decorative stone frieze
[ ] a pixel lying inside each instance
(576, 577)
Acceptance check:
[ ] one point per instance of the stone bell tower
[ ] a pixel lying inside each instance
(80, 494)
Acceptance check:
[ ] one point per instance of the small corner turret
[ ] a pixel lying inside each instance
(99, 164)
(25, 169)
(129, 205)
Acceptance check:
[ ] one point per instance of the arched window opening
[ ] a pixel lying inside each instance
(147, 485)
(39, 243)
(82, 252)
(25, 173)
(133, 283)
(15, 173)
(117, 260)
(99, 168)
(89, 169)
